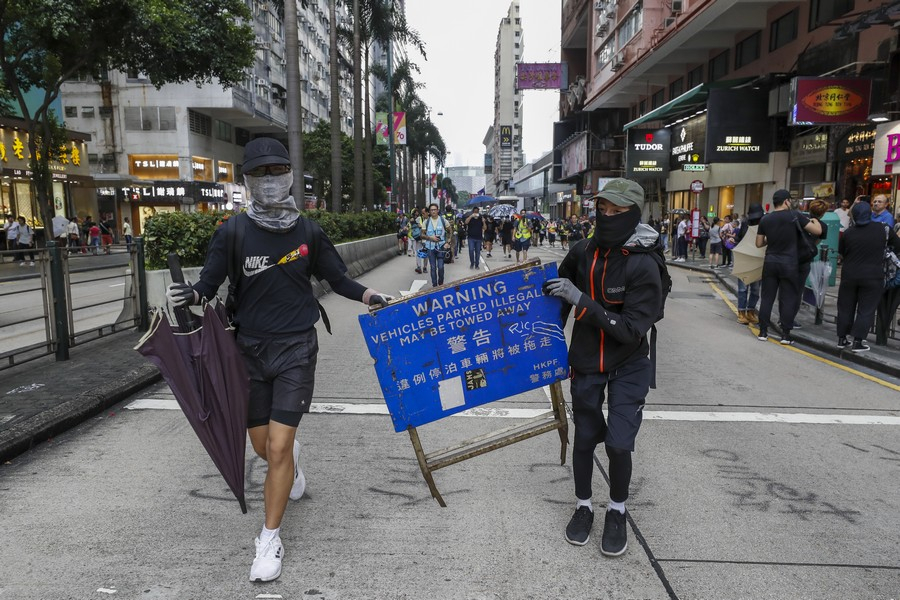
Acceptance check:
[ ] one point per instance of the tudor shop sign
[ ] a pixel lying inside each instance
(648, 153)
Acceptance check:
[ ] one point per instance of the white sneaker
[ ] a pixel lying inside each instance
(299, 478)
(267, 564)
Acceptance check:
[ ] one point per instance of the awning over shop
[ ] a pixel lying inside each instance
(693, 99)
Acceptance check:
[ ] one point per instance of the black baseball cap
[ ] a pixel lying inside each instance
(264, 151)
(781, 195)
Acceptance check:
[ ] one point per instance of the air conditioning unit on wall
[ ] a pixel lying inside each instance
(668, 22)
(677, 6)
(618, 60)
(602, 29)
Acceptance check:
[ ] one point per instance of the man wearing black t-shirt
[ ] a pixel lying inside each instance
(276, 312)
(779, 233)
(475, 233)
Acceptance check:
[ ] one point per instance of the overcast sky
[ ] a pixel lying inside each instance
(460, 38)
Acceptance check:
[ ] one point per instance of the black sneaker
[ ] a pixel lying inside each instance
(843, 342)
(578, 531)
(615, 534)
(859, 346)
(763, 335)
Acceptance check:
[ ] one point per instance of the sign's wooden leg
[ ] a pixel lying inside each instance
(559, 409)
(423, 465)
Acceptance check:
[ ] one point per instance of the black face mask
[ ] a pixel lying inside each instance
(611, 232)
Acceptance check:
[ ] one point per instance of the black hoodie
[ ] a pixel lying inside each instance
(620, 302)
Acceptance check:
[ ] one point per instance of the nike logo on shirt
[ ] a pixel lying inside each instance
(254, 265)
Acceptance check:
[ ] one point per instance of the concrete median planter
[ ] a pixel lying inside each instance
(360, 257)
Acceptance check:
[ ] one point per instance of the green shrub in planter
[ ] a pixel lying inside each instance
(188, 234)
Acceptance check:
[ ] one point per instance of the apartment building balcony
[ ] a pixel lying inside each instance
(666, 43)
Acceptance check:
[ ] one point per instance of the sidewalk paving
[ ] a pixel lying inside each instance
(42, 398)
(821, 337)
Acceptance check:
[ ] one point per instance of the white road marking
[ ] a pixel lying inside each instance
(6, 418)
(106, 591)
(117, 285)
(527, 413)
(416, 285)
(268, 596)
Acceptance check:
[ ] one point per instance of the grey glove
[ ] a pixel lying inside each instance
(563, 288)
(380, 299)
(182, 294)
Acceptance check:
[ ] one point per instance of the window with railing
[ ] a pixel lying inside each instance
(200, 123)
(695, 77)
(630, 26)
(676, 88)
(150, 118)
(823, 11)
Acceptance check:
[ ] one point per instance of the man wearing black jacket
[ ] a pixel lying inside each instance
(614, 285)
(276, 315)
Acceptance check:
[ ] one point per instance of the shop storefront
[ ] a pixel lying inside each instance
(886, 162)
(807, 160)
(72, 184)
(854, 164)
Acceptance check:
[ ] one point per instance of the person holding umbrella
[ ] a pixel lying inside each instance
(275, 314)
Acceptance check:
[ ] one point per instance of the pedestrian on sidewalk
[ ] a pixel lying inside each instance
(421, 253)
(25, 241)
(715, 243)
(681, 241)
(437, 234)
(475, 227)
(11, 229)
(506, 235)
(275, 315)
(816, 209)
(609, 350)
(862, 275)
(73, 233)
(127, 232)
(703, 237)
(778, 233)
(748, 293)
(729, 240)
(523, 234)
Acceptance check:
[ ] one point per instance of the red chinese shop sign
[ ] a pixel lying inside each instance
(817, 100)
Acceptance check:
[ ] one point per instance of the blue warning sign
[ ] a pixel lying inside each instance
(455, 348)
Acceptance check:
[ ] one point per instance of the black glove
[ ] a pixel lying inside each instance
(182, 294)
(380, 299)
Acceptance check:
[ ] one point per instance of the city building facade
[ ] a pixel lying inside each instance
(714, 105)
(506, 131)
(179, 147)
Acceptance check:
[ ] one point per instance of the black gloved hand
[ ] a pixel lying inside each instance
(182, 294)
(380, 299)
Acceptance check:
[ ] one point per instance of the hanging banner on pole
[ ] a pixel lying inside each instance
(381, 128)
(454, 348)
(400, 128)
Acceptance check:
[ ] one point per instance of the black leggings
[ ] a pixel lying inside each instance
(619, 472)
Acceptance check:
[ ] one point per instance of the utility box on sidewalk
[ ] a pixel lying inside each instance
(831, 242)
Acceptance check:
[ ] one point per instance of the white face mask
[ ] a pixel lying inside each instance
(269, 190)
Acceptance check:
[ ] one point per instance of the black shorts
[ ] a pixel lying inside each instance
(522, 245)
(282, 372)
(625, 390)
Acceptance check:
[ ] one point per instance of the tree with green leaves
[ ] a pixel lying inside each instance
(46, 42)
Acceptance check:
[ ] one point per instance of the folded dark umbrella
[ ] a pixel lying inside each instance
(209, 379)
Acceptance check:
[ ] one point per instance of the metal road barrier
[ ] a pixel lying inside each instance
(68, 298)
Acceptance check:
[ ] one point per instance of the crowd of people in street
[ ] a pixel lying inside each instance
(791, 238)
(79, 236)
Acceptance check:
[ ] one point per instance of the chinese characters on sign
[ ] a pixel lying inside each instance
(443, 352)
(540, 76)
(818, 100)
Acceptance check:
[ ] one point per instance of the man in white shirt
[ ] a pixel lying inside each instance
(843, 213)
(681, 240)
(24, 239)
